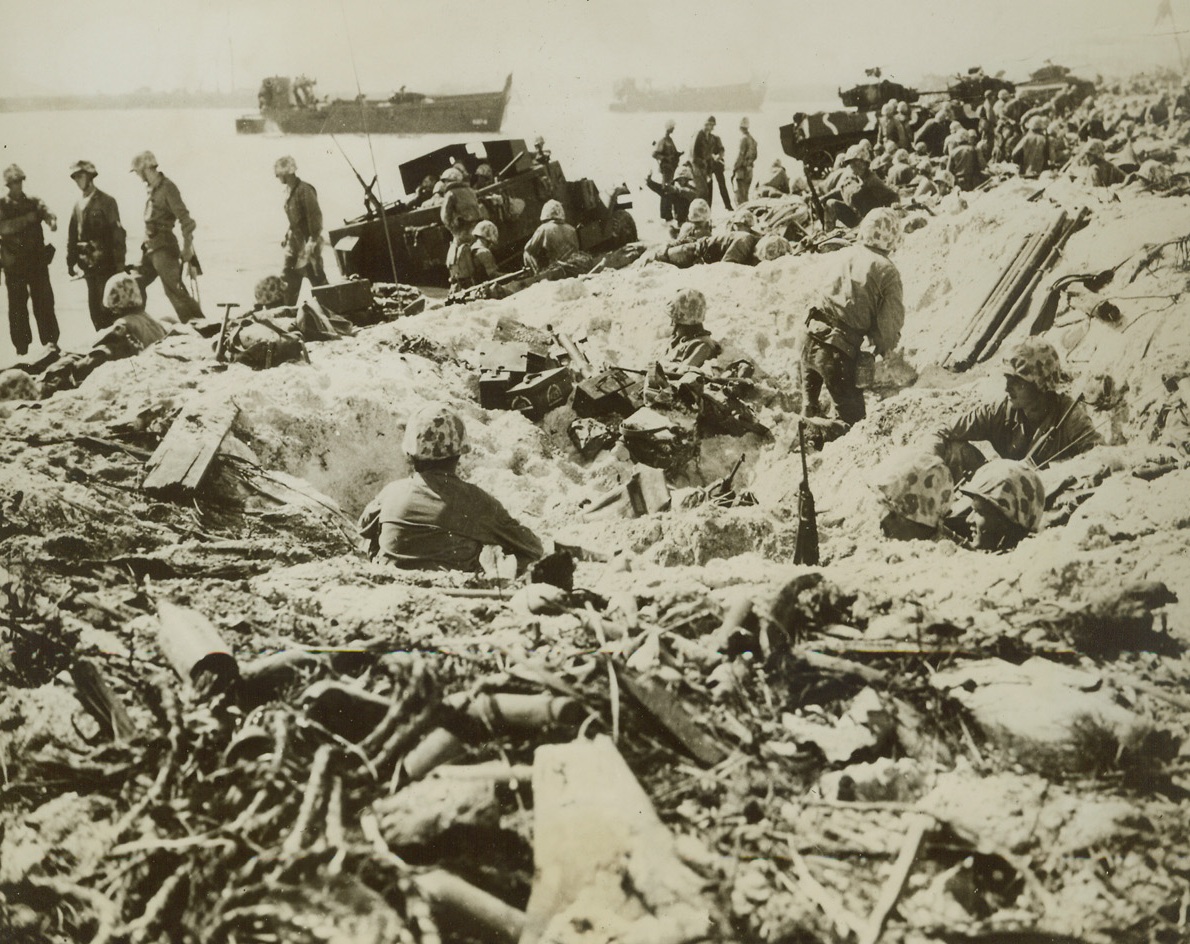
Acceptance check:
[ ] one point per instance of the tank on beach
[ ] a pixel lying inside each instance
(417, 239)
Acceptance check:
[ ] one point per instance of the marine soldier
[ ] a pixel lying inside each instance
(1098, 170)
(698, 222)
(701, 151)
(131, 331)
(916, 490)
(303, 239)
(161, 256)
(715, 167)
(1008, 502)
(434, 520)
(862, 300)
(681, 193)
(95, 240)
(540, 154)
(690, 343)
(25, 258)
(667, 156)
(741, 171)
(1034, 420)
(859, 190)
(1031, 153)
(460, 212)
(553, 241)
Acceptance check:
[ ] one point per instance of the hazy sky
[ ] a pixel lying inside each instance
(63, 46)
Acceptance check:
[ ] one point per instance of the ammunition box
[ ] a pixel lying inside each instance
(614, 392)
(345, 298)
(494, 386)
(539, 393)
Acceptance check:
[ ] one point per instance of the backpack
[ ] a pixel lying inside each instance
(260, 343)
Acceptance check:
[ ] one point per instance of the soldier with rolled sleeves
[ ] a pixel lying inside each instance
(741, 171)
(95, 240)
(862, 300)
(302, 244)
(25, 258)
(434, 520)
(161, 255)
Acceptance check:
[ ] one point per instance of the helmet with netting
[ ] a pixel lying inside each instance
(553, 210)
(486, 229)
(122, 293)
(1013, 488)
(917, 486)
(270, 291)
(1035, 360)
(772, 246)
(880, 229)
(435, 432)
(688, 307)
(699, 212)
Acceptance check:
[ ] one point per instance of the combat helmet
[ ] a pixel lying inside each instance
(13, 173)
(880, 230)
(553, 210)
(688, 307)
(1035, 360)
(918, 487)
(486, 229)
(435, 432)
(772, 246)
(452, 175)
(285, 165)
(83, 167)
(122, 294)
(699, 212)
(744, 219)
(1013, 488)
(270, 292)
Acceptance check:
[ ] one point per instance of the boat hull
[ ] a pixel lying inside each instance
(476, 113)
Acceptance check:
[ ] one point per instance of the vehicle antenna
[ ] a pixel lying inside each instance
(388, 239)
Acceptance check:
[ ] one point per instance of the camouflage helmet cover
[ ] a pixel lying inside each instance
(688, 307)
(122, 293)
(772, 246)
(142, 160)
(1013, 488)
(745, 219)
(486, 229)
(553, 210)
(918, 487)
(452, 174)
(1036, 361)
(435, 432)
(880, 230)
(83, 167)
(13, 173)
(270, 291)
(285, 165)
(700, 211)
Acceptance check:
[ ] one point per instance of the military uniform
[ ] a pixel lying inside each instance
(692, 347)
(161, 254)
(303, 240)
(741, 172)
(95, 242)
(667, 156)
(460, 209)
(24, 256)
(863, 299)
(434, 520)
(1032, 154)
(551, 242)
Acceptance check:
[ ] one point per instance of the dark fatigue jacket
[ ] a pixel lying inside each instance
(863, 299)
(163, 209)
(22, 244)
(1012, 435)
(304, 216)
(436, 521)
(551, 242)
(95, 240)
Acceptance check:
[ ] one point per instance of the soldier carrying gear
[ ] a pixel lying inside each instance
(302, 244)
(482, 258)
(1033, 420)
(1008, 501)
(916, 490)
(540, 154)
(460, 212)
(862, 300)
(25, 258)
(95, 240)
(434, 520)
(553, 242)
(161, 256)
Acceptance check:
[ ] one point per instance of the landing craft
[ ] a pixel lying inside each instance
(419, 241)
(291, 106)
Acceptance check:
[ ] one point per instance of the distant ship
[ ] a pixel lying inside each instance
(290, 105)
(745, 96)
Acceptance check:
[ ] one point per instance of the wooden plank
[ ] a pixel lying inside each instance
(185, 454)
(918, 825)
(671, 715)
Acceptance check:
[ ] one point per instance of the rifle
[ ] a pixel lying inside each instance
(371, 202)
(816, 206)
(805, 549)
(484, 289)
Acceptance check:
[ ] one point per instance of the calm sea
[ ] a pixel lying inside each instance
(227, 178)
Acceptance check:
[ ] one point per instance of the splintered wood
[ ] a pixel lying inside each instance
(185, 455)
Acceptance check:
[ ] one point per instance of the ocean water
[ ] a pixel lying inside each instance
(227, 178)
